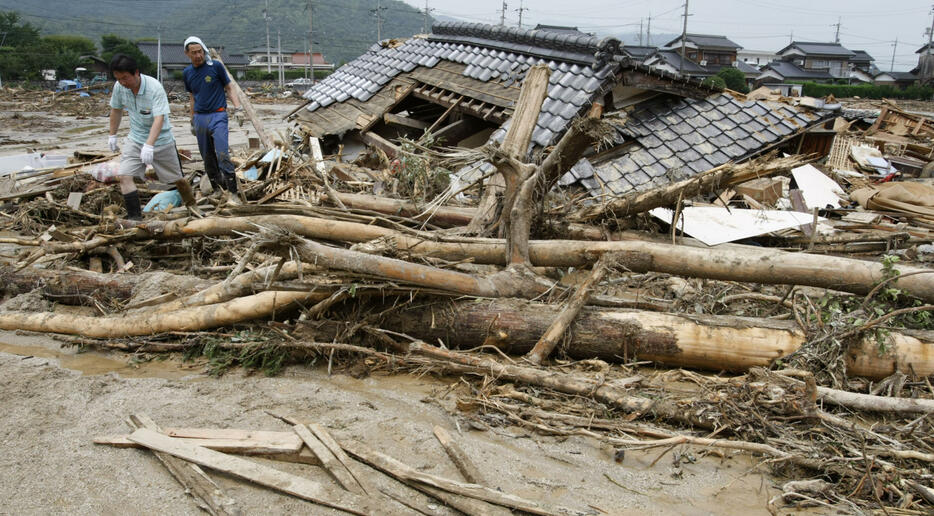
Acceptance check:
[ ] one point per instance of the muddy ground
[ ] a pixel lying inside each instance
(54, 401)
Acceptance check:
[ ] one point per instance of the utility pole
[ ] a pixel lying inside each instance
(931, 31)
(894, 47)
(648, 32)
(159, 57)
(279, 59)
(311, 42)
(836, 38)
(268, 56)
(426, 27)
(520, 9)
(684, 35)
(502, 15)
(640, 32)
(379, 20)
(791, 37)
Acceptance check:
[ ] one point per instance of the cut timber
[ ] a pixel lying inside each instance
(458, 457)
(404, 121)
(329, 461)
(238, 446)
(397, 469)
(246, 105)
(375, 140)
(191, 477)
(444, 216)
(693, 341)
(263, 475)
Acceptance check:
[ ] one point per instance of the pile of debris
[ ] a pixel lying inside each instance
(448, 203)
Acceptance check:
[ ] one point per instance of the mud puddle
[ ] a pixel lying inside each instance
(92, 363)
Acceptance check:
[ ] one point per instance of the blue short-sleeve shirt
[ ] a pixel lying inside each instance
(207, 83)
(143, 108)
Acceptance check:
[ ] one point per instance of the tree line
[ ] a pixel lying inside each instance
(25, 53)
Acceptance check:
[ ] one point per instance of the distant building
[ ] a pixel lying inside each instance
(900, 80)
(756, 58)
(862, 67)
(562, 30)
(779, 72)
(291, 59)
(705, 49)
(175, 60)
(925, 68)
(832, 58)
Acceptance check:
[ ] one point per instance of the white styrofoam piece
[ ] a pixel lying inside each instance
(818, 190)
(714, 225)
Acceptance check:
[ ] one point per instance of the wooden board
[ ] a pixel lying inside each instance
(328, 460)
(263, 475)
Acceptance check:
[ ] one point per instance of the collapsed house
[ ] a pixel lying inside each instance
(462, 81)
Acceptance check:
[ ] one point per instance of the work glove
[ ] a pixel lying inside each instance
(145, 155)
(113, 144)
(237, 113)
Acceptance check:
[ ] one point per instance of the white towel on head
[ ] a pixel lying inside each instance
(196, 39)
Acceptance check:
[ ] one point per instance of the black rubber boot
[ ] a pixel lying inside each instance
(133, 210)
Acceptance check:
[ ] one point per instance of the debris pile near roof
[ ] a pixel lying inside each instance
(594, 240)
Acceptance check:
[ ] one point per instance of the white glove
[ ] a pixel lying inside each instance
(112, 143)
(145, 155)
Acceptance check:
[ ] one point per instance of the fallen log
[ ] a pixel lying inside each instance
(189, 319)
(443, 216)
(706, 342)
(724, 263)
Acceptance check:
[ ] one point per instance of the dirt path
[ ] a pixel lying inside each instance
(55, 401)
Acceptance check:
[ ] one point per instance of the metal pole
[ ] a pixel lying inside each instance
(502, 15)
(836, 37)
(684, 35)
(311, 43)
(268, 54)
(520, 9)
(894, 47)
(159, 57)
(379, 21)
(279, 59)
(648, 32)
(640, 32)
(931, 32)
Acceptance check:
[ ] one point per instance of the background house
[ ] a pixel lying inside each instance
(291, 59)
(709, 51)
(756, 58)
(175, 60)
(900, 80)
(832, 58)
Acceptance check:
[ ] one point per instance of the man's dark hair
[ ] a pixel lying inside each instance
(123, 63)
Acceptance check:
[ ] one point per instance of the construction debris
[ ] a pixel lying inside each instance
(447, 214)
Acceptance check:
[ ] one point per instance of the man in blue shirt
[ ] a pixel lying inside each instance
(150, 141)
(208, 84)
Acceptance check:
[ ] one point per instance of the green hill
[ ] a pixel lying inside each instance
(342, 29)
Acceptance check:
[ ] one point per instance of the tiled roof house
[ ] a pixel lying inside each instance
(666, 126)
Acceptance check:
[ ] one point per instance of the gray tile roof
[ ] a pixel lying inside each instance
(707, 41)
(790, 71)
(581, 65)
(818, 49)
(679, 138)
(173, 54)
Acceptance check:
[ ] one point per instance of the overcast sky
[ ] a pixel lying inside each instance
(870, 25)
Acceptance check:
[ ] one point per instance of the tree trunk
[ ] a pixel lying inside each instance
(731, 263)
(706, 342)
(190, 319)
(76, 287)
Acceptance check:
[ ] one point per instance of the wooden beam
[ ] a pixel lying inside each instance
(329, 461)
(374, 140)
(262, 475)
(444, 115)
(190, 476)
(391, 118)
(246, 105)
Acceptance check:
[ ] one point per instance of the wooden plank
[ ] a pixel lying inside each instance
(391, 118)
(399, 94)
(276, 193)
(297, 486)
(444, 115)
(393, 467)
(329, 461)
(239, 446)
(191, 477)
(328, 441)
(797, 202)
(458, 457)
